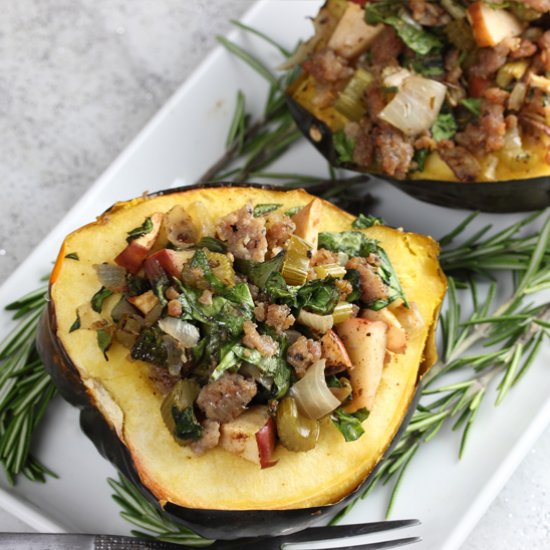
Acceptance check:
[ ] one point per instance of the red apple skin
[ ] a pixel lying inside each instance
(477, 85)
(265, 438)
(171, 261)
(133, 256)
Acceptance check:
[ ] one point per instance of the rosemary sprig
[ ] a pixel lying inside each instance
(140, 512)
(25, 390)
(254, 144)
(512, 335)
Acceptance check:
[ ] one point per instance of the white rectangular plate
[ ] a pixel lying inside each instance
(180, 143)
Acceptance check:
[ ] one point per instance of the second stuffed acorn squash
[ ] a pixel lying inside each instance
(432, 96)
(122, 399)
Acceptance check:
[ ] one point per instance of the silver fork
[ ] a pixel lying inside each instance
(39, 541)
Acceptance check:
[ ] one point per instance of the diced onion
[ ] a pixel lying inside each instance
(394, 77)
(185, 333)
(123, 307)
(112, 277)
(490, 168)
(416, 106)
(513, 145)
(313, 397)
(517, 96)
(319, 323)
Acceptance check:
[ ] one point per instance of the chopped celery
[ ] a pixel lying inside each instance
(350, 100)
(342, 311)
(330, 270)
(296, 264)
(511, 72)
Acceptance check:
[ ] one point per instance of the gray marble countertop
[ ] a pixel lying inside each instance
(78, 80)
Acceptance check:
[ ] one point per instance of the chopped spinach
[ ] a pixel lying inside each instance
(200, 260)
(473, 104)
(279, 292)
(224, 313)
(229, 360)
(344, 146)
(104, 341)
(263, 209)
(99, 297)
(293, 211)
(72, 256)
(427, 65)
(420, 157)
(149, 347)
(352, 275)
(319, 296)
(136, 285)
(275, 367)
(259, 272)
(363, 221)
(350, 424)
(445, 127)
(239, 294)
(212, 244)
(76, 324)
(355, 243)
(143, 229)
(187, 427)
(417, 39)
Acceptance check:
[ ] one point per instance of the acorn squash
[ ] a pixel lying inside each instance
(512, 172)
(218, 494)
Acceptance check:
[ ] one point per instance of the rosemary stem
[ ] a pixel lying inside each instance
(233, 151)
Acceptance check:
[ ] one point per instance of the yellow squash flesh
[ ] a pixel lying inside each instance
(130, 403)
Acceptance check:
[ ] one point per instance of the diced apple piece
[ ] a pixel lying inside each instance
(144, 302)
(492, 25)
(397, 336)
(352, 35)
(365, 342)
(334, 352)
(172, 261)
(180, 228)
(265, 437)
(410, 318)
(202, 220)
(239, 435)
(308, 221)
(133, 256)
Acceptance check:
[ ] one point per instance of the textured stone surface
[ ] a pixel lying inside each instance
(78, 80)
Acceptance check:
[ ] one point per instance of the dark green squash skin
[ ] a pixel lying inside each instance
(213, 524)
(499, 196)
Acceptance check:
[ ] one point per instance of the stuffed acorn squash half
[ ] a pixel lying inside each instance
(245, 355)
(432, 96)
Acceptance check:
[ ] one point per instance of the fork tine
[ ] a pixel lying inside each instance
(379, 545)
(342, 531)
